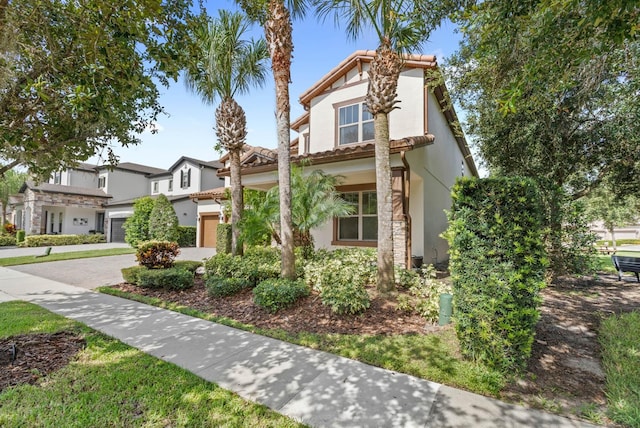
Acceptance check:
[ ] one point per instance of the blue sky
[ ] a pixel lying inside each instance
(187, 129)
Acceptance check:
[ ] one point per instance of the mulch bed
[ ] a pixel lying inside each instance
(28, 357)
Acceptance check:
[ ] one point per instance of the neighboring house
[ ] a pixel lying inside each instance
(428, 153)
(89, 198)
(631, 231)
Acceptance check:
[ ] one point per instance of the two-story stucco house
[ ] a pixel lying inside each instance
(90, 198)
(335, 134)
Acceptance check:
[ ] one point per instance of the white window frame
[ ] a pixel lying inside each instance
(360, 122)
(155, 187)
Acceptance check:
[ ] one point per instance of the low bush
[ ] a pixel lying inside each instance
(130, 274)
(157, 254)
(6, 240)
(424, 292)
(53, 240)
(10, 228)
(190, 265)
(187, 236)
(255, 266)
(341, 276)
(277, 293)
(169, 278)
(218, 286)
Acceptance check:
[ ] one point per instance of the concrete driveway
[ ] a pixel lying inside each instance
(95, 272)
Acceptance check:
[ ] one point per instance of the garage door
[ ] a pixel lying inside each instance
(208, 229)
(117, 231)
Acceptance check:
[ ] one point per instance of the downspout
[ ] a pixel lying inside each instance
(407, 216)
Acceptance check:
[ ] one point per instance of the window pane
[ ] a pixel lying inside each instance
(369, 203)
(367, 131)
(351, 199)
(348, 228)
(349, 115)
(370, 228)
(365, 114)
(349, 134)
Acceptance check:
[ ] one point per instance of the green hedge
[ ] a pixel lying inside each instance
(497, 264)
(130, 274)
(7, 240)
(190, 265)
(223, 238)
(170, 278)
(609, 242)
(278, 293)
(20, 234)
(187, 236)
(53, 240)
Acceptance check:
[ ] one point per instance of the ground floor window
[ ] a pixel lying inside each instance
(362, 225)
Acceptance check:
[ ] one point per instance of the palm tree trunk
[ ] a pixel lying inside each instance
(278, 35)
(237, 202)
(385, 280)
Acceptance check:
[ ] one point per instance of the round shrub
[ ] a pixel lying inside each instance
(345, 296)
(278, 293)
(170, 278)
(157, 254)
(218, 286)
(190, 265)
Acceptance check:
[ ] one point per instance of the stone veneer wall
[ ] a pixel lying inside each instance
(400, 243)
(38, 200)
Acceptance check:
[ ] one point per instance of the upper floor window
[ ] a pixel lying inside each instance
(156, 187)
(170, 184)
(362, 225)
(185, 178)
(102, 182)
(57, 178)
(355, 124)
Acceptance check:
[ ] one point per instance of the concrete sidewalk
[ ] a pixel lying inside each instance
(317, 388)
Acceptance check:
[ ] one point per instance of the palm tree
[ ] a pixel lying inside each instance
(400, 26)
(275, 16)
(227, 65)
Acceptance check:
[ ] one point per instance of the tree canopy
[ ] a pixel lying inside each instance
(550, 89)
(77, 77)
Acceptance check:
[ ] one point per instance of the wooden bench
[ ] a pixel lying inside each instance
(626, 264)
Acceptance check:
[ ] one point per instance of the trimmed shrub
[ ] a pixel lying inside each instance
(344, 296)
(223, 238)
(278, 293)
(53, 240)
(218, 286)
(163, 221)
(130, 274)
(169, 278)
(190, 265)
(497, 264)
(20, 234)
(6, 240)
(136, 227)
(157, 254)
(255, 266)
(187, 236)
(10, 228)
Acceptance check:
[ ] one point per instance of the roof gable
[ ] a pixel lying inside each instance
(197, 162)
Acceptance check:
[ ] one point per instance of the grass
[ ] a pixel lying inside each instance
(606, 265)
(621, 361)
(112, 384)
(434, 357)
(54, 257)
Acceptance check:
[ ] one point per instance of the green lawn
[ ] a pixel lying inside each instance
(112, 384)
(54, 257)
(621, 361)
(435, 357)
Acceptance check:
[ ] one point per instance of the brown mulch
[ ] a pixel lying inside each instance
(29, 357)
(307, 315)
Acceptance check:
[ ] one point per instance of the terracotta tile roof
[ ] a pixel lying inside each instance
(217, 193)
(339, 154)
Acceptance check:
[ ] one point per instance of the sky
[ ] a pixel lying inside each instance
(187, 129)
